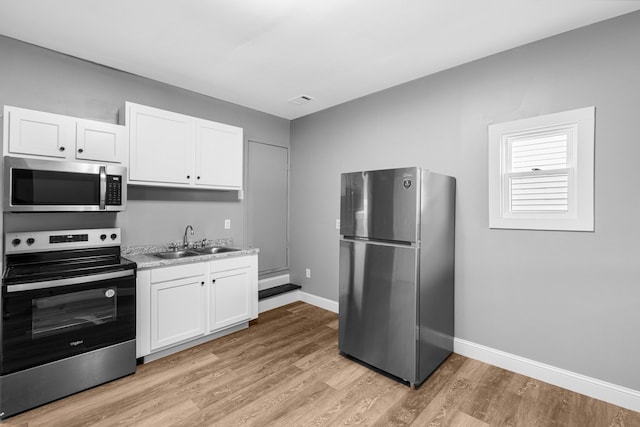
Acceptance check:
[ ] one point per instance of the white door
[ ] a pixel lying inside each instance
(41, 134)
(219, 161)
(267, 204)
(161, 145)
(177, 311)
(229, 301)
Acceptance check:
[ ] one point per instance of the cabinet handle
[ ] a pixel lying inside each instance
(198, 177)
(188, 176)
(61, 148)
(213, 281)
(202, 283)
(80, 150)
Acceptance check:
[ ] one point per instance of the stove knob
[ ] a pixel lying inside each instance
(103, 236)
(113, 236)
(16, 242)
(30, 241)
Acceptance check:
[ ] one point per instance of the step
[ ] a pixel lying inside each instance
(277, 290)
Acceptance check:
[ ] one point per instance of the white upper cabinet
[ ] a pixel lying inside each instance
(218, 155)
(174, 150)
(100, 142)
(30, 133)
(161, 150)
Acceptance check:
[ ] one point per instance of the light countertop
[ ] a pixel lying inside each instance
(142, 255)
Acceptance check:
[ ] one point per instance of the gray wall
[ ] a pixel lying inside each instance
(36, 78)
(568, 299)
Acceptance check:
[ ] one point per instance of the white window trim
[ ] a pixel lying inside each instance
(580, 216)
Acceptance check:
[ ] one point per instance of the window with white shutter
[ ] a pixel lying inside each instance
(541, 172)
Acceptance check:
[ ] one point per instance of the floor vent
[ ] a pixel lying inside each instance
(277, 290)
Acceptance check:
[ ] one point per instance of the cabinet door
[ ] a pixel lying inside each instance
(41, 134)
(100, 141)
(218, 159)
(229, 298)
(161, 145)
(177, 311)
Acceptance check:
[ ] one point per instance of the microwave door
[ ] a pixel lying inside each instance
(33, 185)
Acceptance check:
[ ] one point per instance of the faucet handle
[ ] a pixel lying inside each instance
(173, 246)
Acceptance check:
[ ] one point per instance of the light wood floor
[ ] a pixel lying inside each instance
(285, 370)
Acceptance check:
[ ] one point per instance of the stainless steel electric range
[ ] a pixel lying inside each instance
(68, 315)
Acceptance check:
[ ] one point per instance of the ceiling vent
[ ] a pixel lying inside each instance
(301, 99)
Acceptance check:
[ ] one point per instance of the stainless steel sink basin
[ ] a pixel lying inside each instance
(215, 250)
(194, 252)
(175, 254)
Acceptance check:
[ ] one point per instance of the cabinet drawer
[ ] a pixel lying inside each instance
(177, 272)
(230, 263)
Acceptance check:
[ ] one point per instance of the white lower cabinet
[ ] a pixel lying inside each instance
(178, 296)
(181, 303)
(229, 295)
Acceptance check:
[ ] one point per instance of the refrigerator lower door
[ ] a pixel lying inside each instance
(377, 316)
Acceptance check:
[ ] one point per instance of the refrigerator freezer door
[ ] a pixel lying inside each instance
(381, 205)
(377, 316)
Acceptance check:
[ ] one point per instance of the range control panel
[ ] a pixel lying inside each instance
(39, 241)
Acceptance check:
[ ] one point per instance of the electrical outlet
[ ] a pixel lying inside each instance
(337, 224)
(227, 224)
(307, 273)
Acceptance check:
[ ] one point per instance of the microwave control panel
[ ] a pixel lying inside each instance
(114, 190)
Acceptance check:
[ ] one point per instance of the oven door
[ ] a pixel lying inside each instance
(54, 319)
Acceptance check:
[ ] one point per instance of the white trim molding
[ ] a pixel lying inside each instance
(325, 303)
(294, 296)
(602, 390)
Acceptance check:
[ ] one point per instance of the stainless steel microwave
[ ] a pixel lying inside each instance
(34, 185)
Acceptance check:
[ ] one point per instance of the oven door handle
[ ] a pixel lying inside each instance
(47, 284)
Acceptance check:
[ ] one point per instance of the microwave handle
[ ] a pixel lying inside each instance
(103, 188)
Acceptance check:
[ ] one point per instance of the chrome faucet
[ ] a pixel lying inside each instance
(185, 239)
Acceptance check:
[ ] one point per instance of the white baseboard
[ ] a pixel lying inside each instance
(602, 390)
(271, 282)
(293, 296)
(325, 303)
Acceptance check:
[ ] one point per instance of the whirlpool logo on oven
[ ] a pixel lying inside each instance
(76, 343)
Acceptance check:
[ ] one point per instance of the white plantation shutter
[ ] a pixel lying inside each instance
(538, 171)
(539, 152)
(547, 193)
(534, 179)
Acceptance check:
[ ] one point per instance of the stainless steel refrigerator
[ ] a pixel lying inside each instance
(397, 270)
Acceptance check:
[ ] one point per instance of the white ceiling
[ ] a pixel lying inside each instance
(261, 53)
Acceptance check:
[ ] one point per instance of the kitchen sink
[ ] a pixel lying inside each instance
(175, 254)
(194, 252)
(214, 250)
